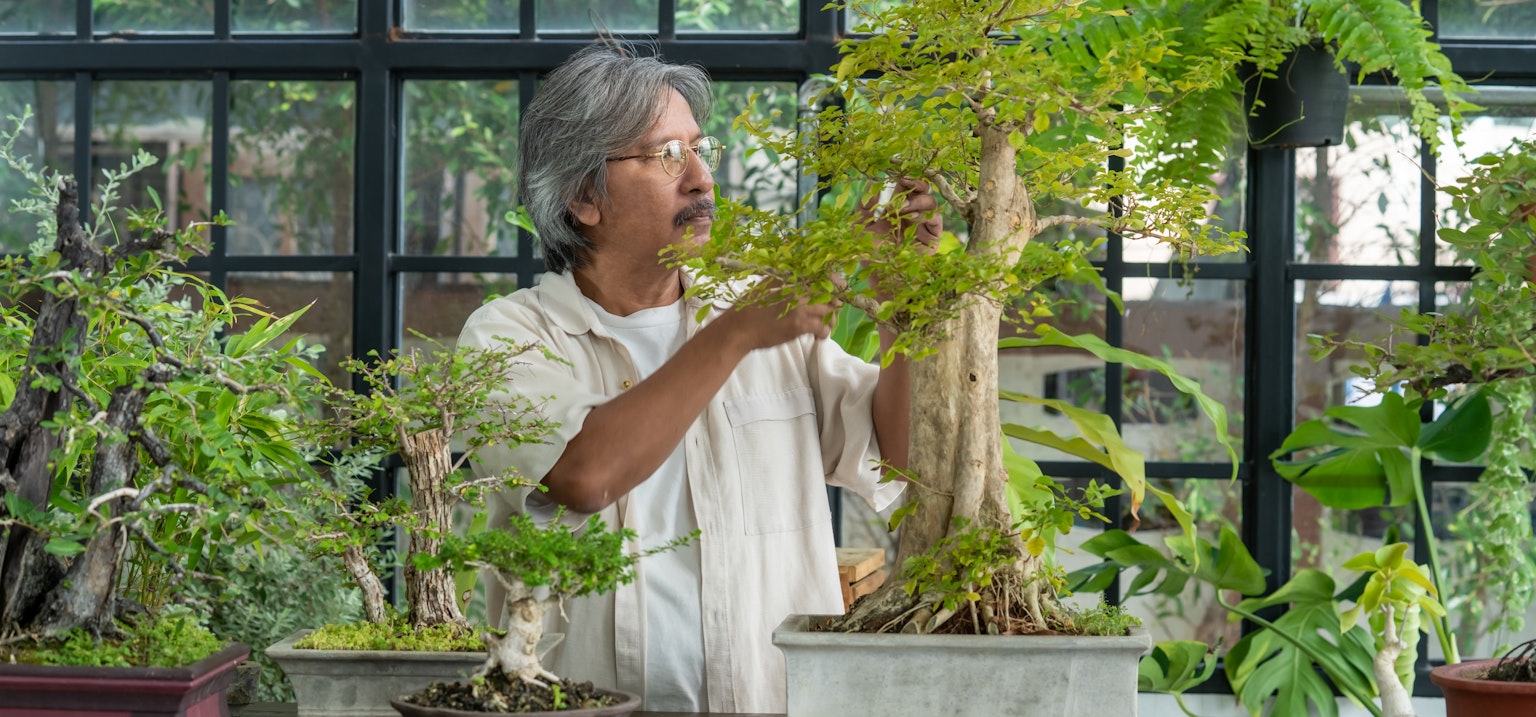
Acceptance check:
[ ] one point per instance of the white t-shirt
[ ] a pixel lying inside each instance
(662, 509)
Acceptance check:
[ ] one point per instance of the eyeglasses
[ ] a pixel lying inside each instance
(674, 155)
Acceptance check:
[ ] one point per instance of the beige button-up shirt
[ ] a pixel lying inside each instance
(790, 420)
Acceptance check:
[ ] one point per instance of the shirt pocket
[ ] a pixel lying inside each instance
(778, 455)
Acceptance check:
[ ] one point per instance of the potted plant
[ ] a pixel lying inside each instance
(1005, 111)
(538, 567)
(414, 405)
(1476, 361)
(139, 432)
(1283, 66)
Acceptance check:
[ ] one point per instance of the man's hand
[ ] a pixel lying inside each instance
(910, 204)
(760, 327)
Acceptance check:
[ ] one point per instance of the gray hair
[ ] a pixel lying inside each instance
(596, 104)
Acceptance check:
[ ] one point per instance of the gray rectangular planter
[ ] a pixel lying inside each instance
(841, 674)
(360, 683)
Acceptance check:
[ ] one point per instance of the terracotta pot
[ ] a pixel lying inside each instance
(1467, 696)
(630, 704)
(196, 690)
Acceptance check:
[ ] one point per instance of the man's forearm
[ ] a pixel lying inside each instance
(623, 441)
(891, 408)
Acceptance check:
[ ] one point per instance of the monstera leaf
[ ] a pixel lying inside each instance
(1271, 664)
(1372, 459)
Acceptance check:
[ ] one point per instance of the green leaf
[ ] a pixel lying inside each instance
(63, 547)
(1175, 666)
(1213, 409)
(1462, 431)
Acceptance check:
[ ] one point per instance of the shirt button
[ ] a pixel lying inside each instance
(627, 383)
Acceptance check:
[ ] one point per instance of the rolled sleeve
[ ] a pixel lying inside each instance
(550, 384)
(845, 390)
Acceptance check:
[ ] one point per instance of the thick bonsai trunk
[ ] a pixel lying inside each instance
(956, 434)
(1394, 697)
(431, 594)
(85, 597)
(27, 573)
(515, 653)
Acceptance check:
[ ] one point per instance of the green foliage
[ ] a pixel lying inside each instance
(1236, 40)
(568, 562)
(1176, 666)
(907, 103)
(960, 565)
(261, 597)
(1103, 620)
(1282, 662)
(397, 634)
(212, 443)
(169, 640)
(1397, 585)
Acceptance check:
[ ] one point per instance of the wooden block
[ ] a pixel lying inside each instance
(869, 584)
(854, 564)
(861, 571)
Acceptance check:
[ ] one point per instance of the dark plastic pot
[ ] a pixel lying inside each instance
(1468, 696)
(630, 704)
(1303, 106)
(196, 690)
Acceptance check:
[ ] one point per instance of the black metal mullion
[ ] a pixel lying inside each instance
(218, 180)
(1270, 349)
(85, 93)
(84, 22)
(1114, 333)
(666, 20)
(221, 19)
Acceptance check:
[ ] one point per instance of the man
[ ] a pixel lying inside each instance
(733, 425)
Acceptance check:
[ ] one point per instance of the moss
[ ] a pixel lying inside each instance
(397, 634)
(162, 641)
(1103, 621)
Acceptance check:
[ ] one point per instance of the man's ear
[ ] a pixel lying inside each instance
(586, 212)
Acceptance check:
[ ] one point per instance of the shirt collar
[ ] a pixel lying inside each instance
(566, 309)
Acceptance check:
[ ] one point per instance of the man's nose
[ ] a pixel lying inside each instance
(696, 174)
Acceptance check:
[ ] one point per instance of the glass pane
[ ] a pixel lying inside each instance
(1509, 115)
(460, 159)
(1485, 549)
(738, 15)
(1354, 310)
(1358, 203)
(46, 140)
(291, 167)
(1505, 19)
(169, 120)
(859, 14)
(153, 16)
(475, 16)
(590, 16)
(1076, 377)
(436, 304)
(1194, 614)
(1197, 326)
(33, 17)
(753, 177)
(1324, 538)
(314, 16)
(1231, 186)
(327, 323)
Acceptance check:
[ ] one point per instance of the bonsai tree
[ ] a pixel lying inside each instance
(414, 405)
(539, 567)
(1015, 119)
(138, 428)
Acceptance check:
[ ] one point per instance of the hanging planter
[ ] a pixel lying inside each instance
(1303, 105)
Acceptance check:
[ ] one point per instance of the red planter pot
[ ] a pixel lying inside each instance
(196, 690)
(1468, 697)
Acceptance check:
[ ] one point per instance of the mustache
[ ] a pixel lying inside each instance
(703, 207)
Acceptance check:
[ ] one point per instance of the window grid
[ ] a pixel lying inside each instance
(380, 57)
